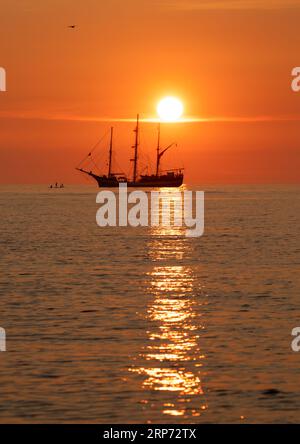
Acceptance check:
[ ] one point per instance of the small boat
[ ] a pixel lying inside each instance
(168, 178)
(56, 186)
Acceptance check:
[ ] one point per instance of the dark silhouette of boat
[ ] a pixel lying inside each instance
(169, 178)
(57, 186)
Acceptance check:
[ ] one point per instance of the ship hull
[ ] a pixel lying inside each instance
(165, 181)
(141, 184)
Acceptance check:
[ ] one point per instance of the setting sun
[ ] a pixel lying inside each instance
(170, 109)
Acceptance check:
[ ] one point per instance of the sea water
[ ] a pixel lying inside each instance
(145, 325)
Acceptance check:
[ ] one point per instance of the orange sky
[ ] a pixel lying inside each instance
(228, 60)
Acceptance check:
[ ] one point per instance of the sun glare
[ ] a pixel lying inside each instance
(170, 109)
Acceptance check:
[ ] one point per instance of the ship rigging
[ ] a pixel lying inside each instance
(169, 178)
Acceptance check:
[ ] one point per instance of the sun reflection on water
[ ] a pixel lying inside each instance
(172, 358)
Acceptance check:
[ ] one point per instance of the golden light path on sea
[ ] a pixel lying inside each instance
(172, 359)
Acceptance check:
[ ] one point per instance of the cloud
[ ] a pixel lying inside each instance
(193, 5)
(64, 117)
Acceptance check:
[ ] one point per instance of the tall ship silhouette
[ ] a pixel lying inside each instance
(167, 178)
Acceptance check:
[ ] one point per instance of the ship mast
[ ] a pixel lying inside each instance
(160, 153)
(136, 145)
(157, 150)
(110, 151)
